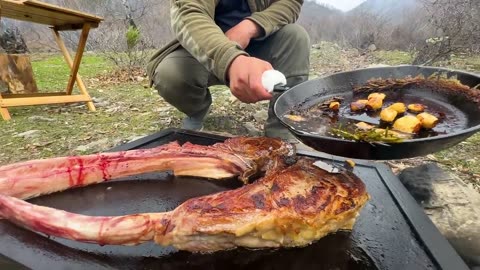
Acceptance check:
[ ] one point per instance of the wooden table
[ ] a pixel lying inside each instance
(58, 19)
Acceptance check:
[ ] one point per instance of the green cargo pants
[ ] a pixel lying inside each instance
(183, 82)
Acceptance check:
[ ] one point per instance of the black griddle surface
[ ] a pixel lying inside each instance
(391, 232)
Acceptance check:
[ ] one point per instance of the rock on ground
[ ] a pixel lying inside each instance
(40, 118)
(97, 146)
(451, 205)
(29, 134)
(252, 130)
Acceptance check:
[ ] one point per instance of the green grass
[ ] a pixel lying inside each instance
(463, 157)
(460, 61)
(325, 53)
(130, 111)
(465, 62)
(52, 73)
(393, 57)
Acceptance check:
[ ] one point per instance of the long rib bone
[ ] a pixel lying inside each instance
(240, 157)
(290, 207)
(122, 230)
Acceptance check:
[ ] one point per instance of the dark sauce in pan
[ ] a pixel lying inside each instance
(321, 121)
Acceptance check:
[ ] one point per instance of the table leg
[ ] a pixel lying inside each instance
(4, 111)
(71, 63)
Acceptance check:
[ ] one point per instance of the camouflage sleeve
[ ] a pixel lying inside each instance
(194, 26)
(278, 14)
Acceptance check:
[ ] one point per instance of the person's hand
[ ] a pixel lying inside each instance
(245, 75)
(243, 32)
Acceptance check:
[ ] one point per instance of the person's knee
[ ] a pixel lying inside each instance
(168, 80)
(182, 82)
(293, 54)
(295, 35)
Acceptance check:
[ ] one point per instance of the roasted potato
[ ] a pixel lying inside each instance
(388, 115)
(377, 95)
(398, 107)
(408, 124)
(349, 164)
(364, 126)
(416, 108)
(374, 104)
(428, 121)
(358, 105)
(375, 101)
(295, 118)
(334, 106)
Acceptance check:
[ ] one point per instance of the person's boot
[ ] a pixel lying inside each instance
(275, 129)
(195, 122)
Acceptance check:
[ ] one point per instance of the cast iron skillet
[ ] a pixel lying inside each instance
(463, 112)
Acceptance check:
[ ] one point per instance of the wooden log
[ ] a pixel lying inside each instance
(16, 74)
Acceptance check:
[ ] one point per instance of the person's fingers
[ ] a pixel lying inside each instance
(257, 89)
(241, 91)
(246, 83)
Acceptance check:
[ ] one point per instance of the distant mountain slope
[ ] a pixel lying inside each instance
(312, 11)
(394, 10)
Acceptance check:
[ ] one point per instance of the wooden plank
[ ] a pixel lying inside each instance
(33, 18)
(69, 61)
(33, 4)
(78, 57)
(17, 73)
(53, 94)
(30, 101)
(42, 16)
(3, 111)
(40, 19)
(60, 24)
(89, 17)
(24, 11)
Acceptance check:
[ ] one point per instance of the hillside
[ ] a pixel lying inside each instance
(394, 10)
(312, 10)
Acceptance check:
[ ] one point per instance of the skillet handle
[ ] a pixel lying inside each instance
(280, 88)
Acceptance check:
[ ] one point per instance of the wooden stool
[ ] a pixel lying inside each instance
(59, 19)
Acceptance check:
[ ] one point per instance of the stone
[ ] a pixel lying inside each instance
(372, 47)
(419, 183)
(97, 100)
(377, 65)
(252, 130)
(40, 118)
(261, 116)
(162, 109)
(29, 134)
(452, 206)
(100, 102)
(100, 145)
(82, 148)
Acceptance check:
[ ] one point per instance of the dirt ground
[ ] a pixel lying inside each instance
(127, 109)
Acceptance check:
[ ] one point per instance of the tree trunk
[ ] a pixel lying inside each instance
(16, 74)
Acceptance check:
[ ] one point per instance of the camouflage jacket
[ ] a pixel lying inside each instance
(195, 30)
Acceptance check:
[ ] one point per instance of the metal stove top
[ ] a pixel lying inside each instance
(392, 231)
